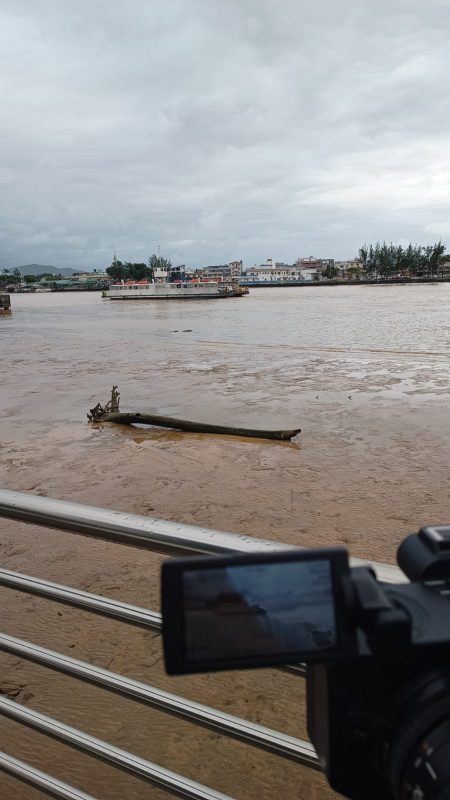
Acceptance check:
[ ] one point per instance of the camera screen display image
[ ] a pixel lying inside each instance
(258, 610)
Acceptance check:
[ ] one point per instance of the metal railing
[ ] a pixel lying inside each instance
(152, 534)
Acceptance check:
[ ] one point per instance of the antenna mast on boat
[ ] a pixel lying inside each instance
(166, 269)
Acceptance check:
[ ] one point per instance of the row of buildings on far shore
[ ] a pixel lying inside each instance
(323, 270)
(271, 273)
(303, 270)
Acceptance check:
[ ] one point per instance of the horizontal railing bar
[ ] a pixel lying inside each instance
(105, 606)
(299, 670)
(110, 754)
(40, 780)
(172, 538)
(95, 603)
(226, 724)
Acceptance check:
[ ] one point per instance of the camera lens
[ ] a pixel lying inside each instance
(419, 755)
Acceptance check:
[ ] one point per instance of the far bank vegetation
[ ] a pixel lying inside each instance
(382, 261)
(127, 271)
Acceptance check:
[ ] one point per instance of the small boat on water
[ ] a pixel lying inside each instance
(5, 303)
(234, 289)
(144, 290)
(176, 290)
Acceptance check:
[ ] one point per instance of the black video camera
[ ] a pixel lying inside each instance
(377, 654)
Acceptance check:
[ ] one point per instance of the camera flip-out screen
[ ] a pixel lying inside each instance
(251, 610)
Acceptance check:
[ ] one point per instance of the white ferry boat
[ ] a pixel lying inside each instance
(180, 290)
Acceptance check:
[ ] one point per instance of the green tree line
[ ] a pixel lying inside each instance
(389, 261)
(12, 278)
(7, 277)
(127, 271)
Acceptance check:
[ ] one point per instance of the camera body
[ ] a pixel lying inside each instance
(377, 721)
(377, 654)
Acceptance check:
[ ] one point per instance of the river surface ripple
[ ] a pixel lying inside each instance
(364, 371)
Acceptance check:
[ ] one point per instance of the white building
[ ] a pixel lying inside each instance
(311, 267)
(222, 272)
(272, 272)
(343, 267)
(84, 277)
(219, 273)
(235, 269)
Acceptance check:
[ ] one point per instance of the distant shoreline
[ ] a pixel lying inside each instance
(265, 285)
(312, 284)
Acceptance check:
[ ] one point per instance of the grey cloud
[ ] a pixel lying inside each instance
(221, 130)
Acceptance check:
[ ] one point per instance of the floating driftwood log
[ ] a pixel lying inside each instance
(111, 413)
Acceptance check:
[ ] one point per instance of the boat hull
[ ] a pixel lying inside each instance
(164, 291)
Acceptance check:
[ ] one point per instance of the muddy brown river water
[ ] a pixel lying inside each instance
(364, 371)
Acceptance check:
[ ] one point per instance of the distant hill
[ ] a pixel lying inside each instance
(38, 269)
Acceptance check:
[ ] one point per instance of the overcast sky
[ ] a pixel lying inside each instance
(221, 129)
